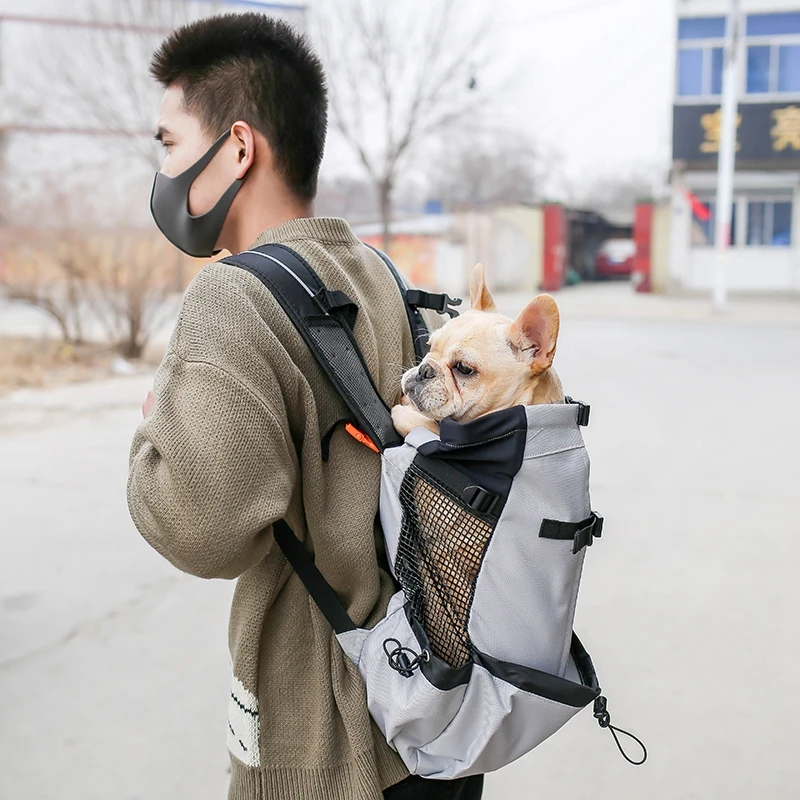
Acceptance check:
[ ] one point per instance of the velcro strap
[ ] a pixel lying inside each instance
(582, 533)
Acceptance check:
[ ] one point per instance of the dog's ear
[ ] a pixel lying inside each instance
(534, 333)
(480, 298)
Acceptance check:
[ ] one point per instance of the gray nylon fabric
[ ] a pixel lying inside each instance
(553, 483)
(522, 612)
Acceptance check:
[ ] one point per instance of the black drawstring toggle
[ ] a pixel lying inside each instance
(604, 721)
(399, 660)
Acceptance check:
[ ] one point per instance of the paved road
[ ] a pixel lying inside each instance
(113, 668)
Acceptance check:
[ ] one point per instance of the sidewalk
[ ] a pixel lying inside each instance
(617, 300)
(114, 676)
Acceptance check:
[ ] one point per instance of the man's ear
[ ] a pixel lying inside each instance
(534, 333)
(480, 299)
(245, 142)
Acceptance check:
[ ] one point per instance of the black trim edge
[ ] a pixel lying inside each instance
(438, 673)
(543, 684)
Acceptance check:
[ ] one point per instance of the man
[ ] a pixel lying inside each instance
(231, 440)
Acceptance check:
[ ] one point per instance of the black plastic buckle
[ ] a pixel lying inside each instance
(583, 410)
(478, 499)
(585, 536)
(440, 303)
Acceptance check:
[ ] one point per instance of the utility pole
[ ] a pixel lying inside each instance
(727, 156)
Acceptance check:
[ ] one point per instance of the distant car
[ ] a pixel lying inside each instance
(614, 258)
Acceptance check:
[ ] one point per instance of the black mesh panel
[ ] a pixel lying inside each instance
(442, 543)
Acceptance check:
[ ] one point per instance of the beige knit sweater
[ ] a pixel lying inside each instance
(237, 398)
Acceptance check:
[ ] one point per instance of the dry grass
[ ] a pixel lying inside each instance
(37, 363)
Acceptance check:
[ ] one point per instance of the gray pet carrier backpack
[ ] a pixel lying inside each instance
(486, 528)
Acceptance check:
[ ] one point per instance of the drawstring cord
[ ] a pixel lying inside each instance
(604, 721)
(399, 661)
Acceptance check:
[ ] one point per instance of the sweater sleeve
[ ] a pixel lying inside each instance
(210, 470)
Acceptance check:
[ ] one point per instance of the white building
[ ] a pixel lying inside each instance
(765, 228)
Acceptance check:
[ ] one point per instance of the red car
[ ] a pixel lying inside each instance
(614, 258)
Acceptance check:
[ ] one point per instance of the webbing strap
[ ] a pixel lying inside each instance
(582, 533)
(321, 318)
(419, 330)
(319, 589)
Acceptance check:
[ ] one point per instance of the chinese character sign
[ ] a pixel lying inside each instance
(786, 131)
(765, 132)
(712, 125)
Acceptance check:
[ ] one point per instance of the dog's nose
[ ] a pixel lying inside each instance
(426, 371)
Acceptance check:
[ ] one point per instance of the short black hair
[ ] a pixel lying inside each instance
(257, 69)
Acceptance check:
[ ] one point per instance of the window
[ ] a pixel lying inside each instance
(701, 28)
(700, 71)
(773, 24)
(765, 219)
(758, 58)
(773, 62)
(769, 223)
(789, 68)
(700, 63)
(717, 62)
(690, 72)
(704, 231)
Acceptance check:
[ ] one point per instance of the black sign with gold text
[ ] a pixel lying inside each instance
(765, 132)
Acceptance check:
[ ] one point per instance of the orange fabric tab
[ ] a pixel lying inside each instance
(360, 437)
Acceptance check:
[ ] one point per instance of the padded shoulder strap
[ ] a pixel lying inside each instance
(324, 320)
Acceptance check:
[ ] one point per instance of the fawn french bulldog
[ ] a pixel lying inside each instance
(481, 362)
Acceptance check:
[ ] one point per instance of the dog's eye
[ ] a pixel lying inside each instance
(463, 368)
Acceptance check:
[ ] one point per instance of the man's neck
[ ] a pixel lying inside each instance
(260, 220)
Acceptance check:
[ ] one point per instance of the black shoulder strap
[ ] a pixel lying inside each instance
(320, 590)
(321, 317)
(414, 299)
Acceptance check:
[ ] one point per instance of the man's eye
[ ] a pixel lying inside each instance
(461, 367)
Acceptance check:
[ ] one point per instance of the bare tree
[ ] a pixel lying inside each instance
(503, 167)
(129, 285)
(117, 285)
(619, 191)
(48, 275)
(401, 75)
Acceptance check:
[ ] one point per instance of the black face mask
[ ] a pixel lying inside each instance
(169, 204)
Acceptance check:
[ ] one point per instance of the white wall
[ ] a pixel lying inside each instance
(705, 8)
(751, 269)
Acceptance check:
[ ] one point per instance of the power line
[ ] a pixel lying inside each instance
(64, 22)
(48, 130)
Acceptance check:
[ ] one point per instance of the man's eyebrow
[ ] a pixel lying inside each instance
(161, 132)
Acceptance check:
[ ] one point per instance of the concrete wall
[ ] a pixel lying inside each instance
(519, 247)
(660, 246)
(763, 269)
(508, 241)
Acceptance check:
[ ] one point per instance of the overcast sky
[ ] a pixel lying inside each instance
(597, 82)
(592, 79)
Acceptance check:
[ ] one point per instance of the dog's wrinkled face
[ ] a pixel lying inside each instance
(483, 361)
